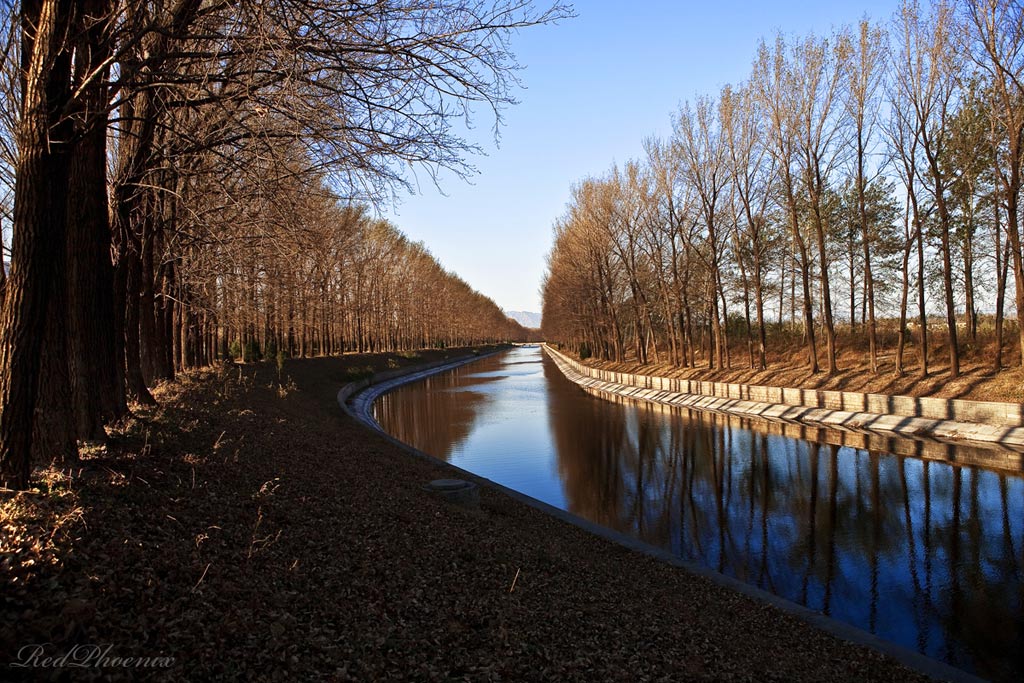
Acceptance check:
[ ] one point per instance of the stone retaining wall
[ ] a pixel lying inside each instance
(1005, 442)
(982, 412)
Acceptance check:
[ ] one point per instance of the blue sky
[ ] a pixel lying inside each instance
(596, 86)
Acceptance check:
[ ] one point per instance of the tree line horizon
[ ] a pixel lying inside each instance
(187, 181)
(874, 172)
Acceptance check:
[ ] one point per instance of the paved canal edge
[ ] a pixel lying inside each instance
(356, 400)
(902, 416)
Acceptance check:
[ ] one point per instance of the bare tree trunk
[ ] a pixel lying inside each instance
(922, 313)
(54, 440)
(1013, 232)
(148, 343)
(908, 246)
(129, 224)
(782, 287)
(166, 320)
(724, 329)
(136, 382)
(39, 225)
(93, 364)
(826, 290)
(746, 306)
(762, 339)
(947, 282)
(869, 279)
(1002, 263)
(970, 312)
(904, 292)
(805, 284)
(97, 376)
(852, 271)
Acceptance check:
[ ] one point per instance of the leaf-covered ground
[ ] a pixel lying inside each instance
(250, 530)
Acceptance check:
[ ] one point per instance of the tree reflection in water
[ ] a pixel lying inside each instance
(917, 550)
(436, 426)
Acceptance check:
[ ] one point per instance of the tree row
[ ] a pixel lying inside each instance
(861, 182)
(187, 179)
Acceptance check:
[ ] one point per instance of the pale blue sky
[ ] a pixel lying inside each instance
(596, 86)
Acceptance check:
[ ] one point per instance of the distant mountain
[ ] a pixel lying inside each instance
(525, 318)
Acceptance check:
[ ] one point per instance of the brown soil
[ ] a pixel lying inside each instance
(250, 530)
(978, 380)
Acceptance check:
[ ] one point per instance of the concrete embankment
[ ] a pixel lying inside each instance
(997, 428)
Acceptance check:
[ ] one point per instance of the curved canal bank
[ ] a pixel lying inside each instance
(466, 404)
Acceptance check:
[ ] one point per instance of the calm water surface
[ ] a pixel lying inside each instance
(916, 551)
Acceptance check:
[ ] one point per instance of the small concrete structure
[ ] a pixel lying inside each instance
(458, 491)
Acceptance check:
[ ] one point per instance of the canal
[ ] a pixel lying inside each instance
(920, 552)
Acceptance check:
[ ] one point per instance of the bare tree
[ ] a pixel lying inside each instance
(777, 89)
(699, 140)
(905, 148)
(753, 173)
(995, 38)
(817, 71)
(865, 69)
(926, 71)
(41, 175)
(192, 90)
(707, 207)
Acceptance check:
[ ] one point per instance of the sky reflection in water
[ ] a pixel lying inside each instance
(916, 551)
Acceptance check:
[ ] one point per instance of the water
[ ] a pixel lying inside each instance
(915, 550)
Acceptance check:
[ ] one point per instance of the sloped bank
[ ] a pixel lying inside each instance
(998, 426)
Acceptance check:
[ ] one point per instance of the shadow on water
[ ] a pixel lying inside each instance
(926, 553)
